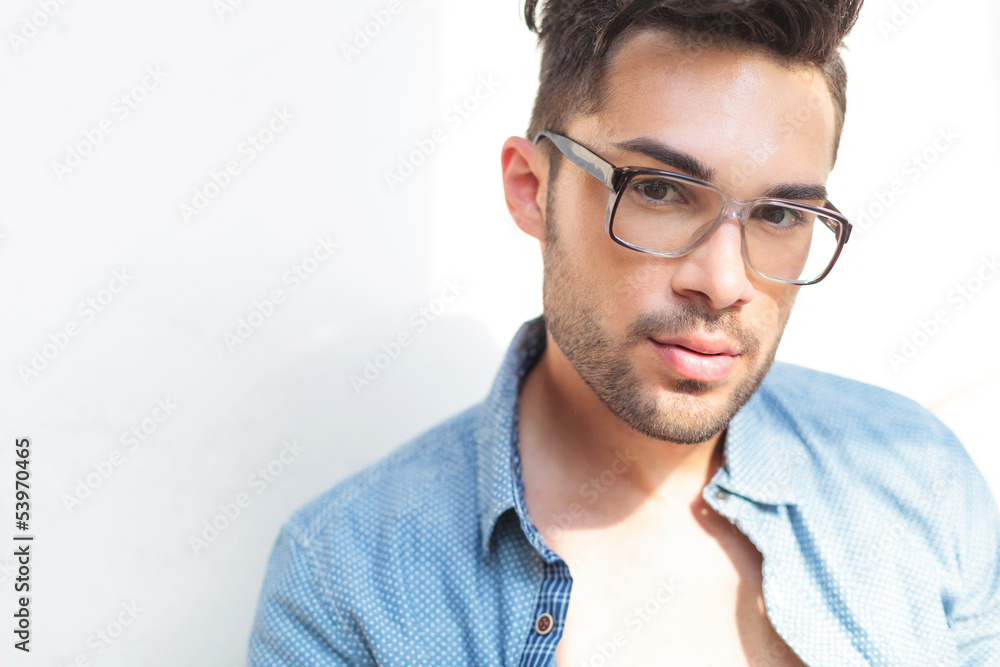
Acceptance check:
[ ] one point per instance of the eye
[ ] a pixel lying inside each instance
(658, 190)
(779, 216)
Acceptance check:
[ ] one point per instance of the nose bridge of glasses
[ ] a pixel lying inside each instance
(730, 208)
(733, 207)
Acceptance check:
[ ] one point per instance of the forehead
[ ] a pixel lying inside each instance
(731, 108)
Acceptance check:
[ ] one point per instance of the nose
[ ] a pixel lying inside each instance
(714, 272)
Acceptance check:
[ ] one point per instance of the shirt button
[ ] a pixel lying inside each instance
(544, 624)
(721, 494)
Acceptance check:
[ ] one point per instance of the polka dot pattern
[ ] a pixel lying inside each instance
(880, 538)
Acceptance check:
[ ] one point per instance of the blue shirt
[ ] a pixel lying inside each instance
(880, 538)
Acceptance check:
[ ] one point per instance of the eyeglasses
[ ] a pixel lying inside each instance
(668, 215)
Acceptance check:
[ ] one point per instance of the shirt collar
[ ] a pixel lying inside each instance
(496, 436)
(760, 449)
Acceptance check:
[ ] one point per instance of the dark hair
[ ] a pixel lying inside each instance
(576, 36)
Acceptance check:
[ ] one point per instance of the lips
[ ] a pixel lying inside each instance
(701, 345)
(696, 357)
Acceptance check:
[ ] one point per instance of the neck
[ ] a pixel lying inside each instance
(579, 451)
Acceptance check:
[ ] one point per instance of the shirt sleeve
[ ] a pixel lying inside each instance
(975, 614)
(294, 624)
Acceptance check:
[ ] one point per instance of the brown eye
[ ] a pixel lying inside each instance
(778, 215)
(658, 190)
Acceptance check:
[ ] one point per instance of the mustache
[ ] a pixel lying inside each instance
(691, 318)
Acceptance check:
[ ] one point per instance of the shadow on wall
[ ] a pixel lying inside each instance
(411, 386)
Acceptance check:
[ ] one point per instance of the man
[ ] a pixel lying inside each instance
(642, 486)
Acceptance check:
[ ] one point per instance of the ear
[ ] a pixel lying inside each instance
(525, 179)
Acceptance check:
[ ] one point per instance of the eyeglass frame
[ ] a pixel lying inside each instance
(614, 178)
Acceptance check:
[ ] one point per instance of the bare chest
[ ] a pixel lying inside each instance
(658, 589)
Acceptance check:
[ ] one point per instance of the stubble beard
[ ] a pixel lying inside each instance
(685, 415)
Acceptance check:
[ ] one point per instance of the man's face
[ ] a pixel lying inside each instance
(755, 124)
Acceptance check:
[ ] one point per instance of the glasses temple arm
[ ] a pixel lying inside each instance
(847, 225)
(582, 157)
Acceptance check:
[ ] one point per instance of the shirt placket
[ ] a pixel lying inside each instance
(548, 617)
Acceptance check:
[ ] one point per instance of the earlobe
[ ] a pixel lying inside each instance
(525, 175)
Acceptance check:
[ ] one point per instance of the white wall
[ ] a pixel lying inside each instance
(161, 338)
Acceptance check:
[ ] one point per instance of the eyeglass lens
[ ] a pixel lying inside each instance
(663, 214)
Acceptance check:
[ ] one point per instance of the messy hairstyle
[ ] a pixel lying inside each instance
(577, 35)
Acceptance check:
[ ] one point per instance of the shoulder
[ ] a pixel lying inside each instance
(826, 393)
(890, 495)
(835, 409)
(348, 557)
(858, 443)
(851, 441)
(437, 462)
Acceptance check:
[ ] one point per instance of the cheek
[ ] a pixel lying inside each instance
(600, 266)
(639, 277)
(770, 310)
(579, 212)
(641, 284)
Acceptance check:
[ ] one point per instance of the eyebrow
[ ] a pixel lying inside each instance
(801, 191)
(689, 164)
(679, 160)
